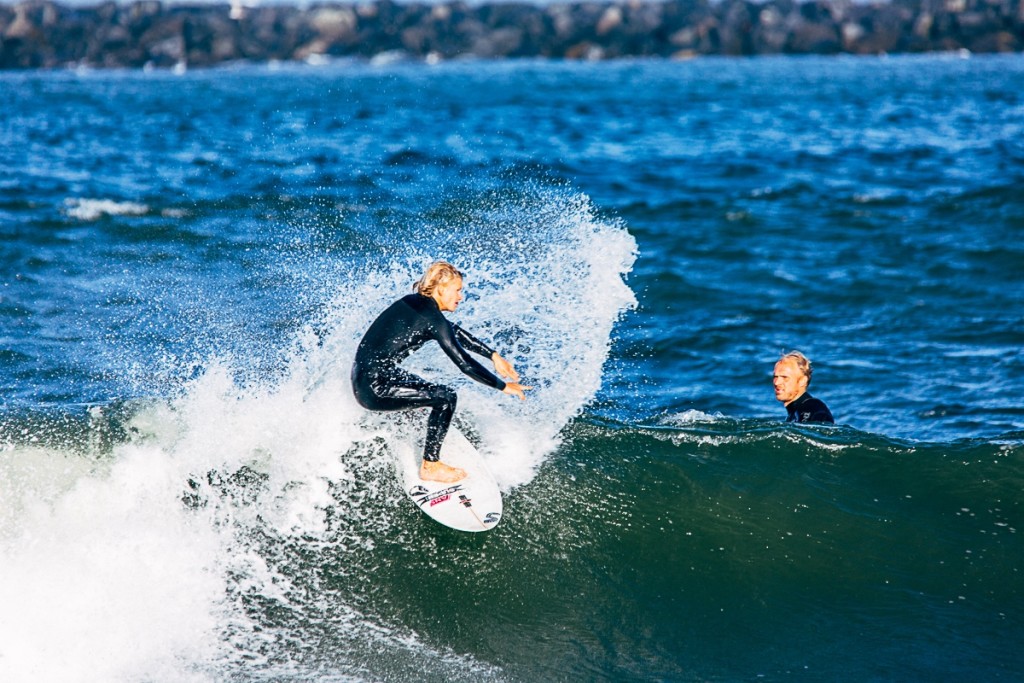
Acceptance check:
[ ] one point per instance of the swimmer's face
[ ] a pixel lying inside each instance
(449, 295)
(788, 380)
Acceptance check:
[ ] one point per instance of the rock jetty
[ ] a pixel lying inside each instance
(41, 34)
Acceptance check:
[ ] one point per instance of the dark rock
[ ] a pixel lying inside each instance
(43, 34)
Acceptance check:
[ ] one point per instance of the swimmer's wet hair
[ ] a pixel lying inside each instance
(802, 362)
(439, 273)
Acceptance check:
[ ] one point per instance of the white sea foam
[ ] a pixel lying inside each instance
(690, 417)
(138, 565)
(91, 209)
(105, 578)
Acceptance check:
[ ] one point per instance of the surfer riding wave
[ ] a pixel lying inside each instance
(380, 384)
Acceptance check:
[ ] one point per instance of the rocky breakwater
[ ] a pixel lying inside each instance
(41, 34)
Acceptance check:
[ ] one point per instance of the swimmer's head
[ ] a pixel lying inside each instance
(439, 274)
(803, 363)
(791, 376)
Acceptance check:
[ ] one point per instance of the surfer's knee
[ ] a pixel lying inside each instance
(445, 398)
(451, 398)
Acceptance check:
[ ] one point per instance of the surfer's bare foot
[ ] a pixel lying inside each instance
(438, 471)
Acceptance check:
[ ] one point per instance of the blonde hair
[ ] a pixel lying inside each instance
(802, 362)
(439, 273)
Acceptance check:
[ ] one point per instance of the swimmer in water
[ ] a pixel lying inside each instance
(409, 323)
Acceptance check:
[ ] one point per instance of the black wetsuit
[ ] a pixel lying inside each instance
(380, 384)
(806, 408)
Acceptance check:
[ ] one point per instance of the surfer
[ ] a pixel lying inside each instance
(409, 323)
(791, 376)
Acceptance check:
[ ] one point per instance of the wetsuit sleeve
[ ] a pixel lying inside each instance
(471, 343)
(448, 339)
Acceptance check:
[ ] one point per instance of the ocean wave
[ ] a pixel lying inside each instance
(262, 522)
(221, 503)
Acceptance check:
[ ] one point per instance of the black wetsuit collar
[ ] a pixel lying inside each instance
(793, 407)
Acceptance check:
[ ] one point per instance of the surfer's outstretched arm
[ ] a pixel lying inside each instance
(471, 343)
(469, 366)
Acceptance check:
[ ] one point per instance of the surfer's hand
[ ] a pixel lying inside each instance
(504, 368)
(516, 389)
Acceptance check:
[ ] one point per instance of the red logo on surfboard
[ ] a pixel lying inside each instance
(436, 501)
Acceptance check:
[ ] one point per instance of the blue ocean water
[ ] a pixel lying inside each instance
(188, 491)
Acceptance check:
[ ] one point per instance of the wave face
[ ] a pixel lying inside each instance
(189, 492)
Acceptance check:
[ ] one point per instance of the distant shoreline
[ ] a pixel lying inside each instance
(47, 35)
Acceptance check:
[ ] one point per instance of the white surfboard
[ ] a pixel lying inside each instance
(472, 504)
